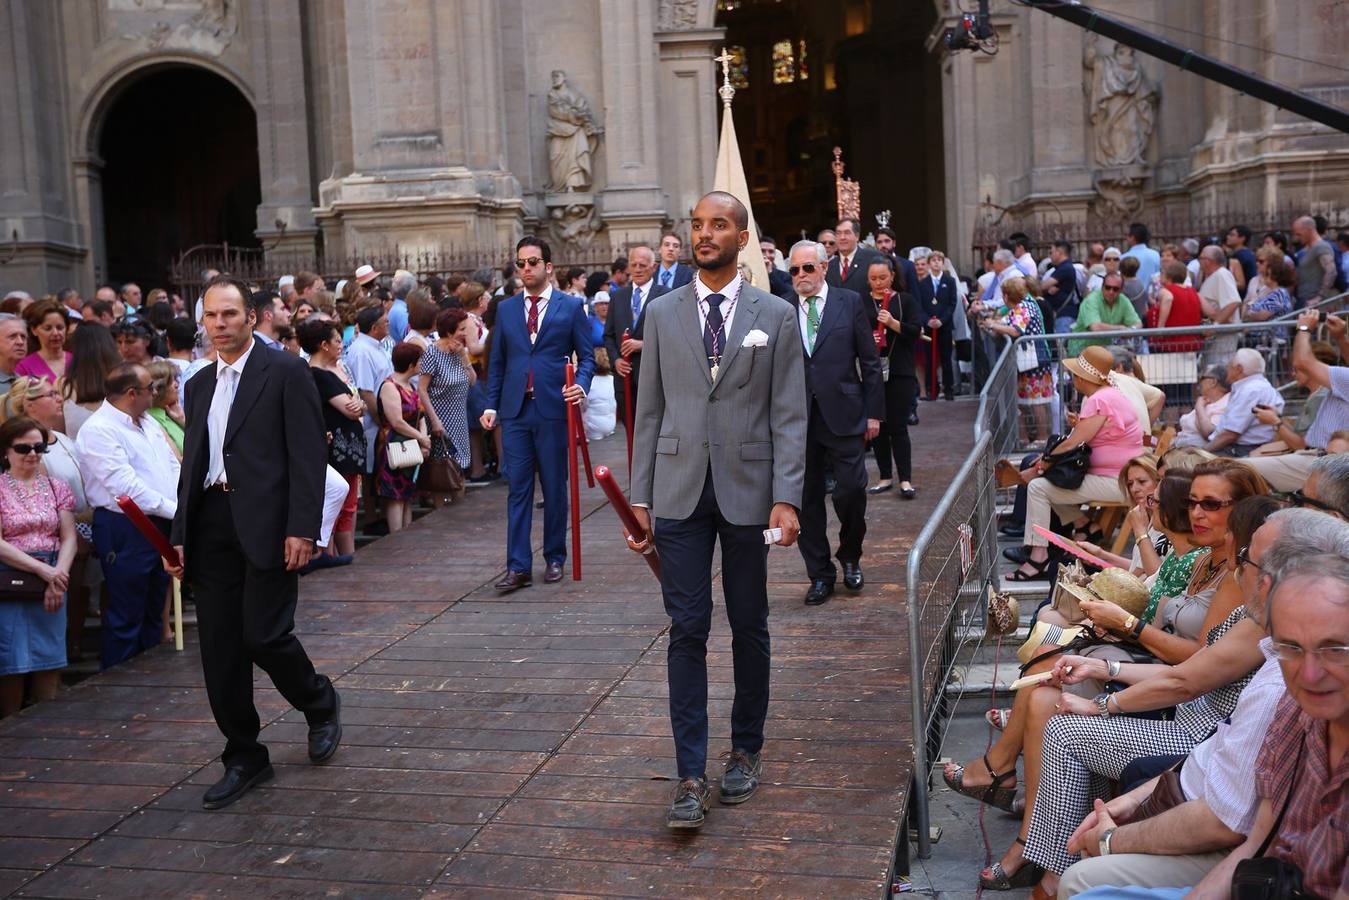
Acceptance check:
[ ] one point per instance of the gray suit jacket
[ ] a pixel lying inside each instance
(750, 424)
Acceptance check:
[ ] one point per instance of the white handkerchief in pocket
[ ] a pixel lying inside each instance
(755, 338)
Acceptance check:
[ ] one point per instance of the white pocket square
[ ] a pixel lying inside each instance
(755, 338)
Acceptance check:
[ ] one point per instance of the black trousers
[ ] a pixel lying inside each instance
(685, 547)
(900, 393)
(941, 339)
(246, 615)
(845, 456)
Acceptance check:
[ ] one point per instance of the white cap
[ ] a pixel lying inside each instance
(284, 281)
(600, 297)
(341, 283)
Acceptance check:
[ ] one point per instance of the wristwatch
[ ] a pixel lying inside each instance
(1103, 705)
(1104, 846)
(1130, 623)
(1303, 328)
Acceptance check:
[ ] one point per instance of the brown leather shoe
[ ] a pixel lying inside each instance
(553, 574)
(513, 581)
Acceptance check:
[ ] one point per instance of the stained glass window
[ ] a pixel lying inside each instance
(784, 63)
(739, 68)
(802, 72)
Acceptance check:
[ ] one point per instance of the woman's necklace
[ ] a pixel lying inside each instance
(27, 492)
(1209, 573)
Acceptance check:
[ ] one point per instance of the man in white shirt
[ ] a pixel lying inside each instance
(369, 365)
(1240, 431)
(124, 452)
(1220, 301)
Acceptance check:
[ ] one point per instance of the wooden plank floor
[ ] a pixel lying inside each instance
(492, 745)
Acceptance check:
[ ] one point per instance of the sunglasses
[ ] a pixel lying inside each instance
(1299, 499)
(1208, 504)
(529, 263)
(25, 449)
(1109, 289)
(808, 268)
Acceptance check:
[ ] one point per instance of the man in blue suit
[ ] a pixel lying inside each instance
(671, 273)
(537, 332)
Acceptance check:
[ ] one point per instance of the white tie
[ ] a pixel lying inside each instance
(217, 420)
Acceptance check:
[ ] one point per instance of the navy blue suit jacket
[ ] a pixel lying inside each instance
(941, 302)
(682, 275)
(565, 330)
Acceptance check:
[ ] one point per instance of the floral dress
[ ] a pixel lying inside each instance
(1173, 577)
(397, 484)
(32, 639)
(1036, 386)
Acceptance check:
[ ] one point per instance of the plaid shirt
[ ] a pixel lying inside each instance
(1314, 834)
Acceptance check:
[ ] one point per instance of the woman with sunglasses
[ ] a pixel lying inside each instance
(899, 325)
(37, 535)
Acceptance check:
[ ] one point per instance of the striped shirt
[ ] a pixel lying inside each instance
(1218, 771)
(1333, 415)
(1312, 836)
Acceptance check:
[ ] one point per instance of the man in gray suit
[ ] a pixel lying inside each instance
(719, 452)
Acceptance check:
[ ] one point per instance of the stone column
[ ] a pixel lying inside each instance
(689, 111)
(637, 130)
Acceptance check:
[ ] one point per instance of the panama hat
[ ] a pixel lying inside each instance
(1093, 365)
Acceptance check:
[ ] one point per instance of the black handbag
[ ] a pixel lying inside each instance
(1264, 877)
(1065, 470)
(16, 584)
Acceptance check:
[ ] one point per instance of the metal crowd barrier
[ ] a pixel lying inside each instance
(954, 560)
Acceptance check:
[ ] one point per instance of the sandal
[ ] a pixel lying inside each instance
(994, 793)
(998, 718)
(1040, 574)
(998, 880)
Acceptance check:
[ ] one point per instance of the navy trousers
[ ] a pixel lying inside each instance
(532, 442)
(134, 587)
(685, 547)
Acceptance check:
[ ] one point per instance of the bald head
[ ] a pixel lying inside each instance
(738, 213)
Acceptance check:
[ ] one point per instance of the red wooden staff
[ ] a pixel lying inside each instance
(627, 405)
(625, 515)
(574, 435)
(933, 339)
(581, 439)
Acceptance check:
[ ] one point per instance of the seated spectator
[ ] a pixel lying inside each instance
(37, 535)
(1108, 425)
(1139, 482)
(1339, 442)
(1327, 486)
(1198, 426)
(1103, 310)
(1193, 821)
(1241, 431)
(1148, 401)
(1089, 741)
(1268, 294)
(1177, 306)
(1135, 291)
(1288, 471)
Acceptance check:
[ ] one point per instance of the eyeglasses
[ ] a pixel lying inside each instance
(1244, 558)
(808, 268)
(1208, 504)
(25, 449)
(1328, 656)
(1299, 499)
(529, 263)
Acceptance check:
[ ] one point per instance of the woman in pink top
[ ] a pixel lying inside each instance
(1108, 425)
(47, 357)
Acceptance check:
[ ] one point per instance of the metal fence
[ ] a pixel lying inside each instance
(953, 564)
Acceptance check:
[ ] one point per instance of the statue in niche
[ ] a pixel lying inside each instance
(575, 225)
(1122, 104)
(573, 135)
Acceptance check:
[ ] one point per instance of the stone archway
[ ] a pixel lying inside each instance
(177, 148)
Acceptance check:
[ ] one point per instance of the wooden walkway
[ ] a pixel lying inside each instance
(492, 745)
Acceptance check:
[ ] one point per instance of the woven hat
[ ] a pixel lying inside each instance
(366, 274)
(1093, 365)
(1124, 589)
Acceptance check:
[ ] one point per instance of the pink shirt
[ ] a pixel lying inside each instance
(31, 516)
(1120, 438)
(34, 366)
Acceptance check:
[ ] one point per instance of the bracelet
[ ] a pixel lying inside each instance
(1112, 667)
(1138, 629)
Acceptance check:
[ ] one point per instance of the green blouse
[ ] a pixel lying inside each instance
(1172, 578)
(174, 430)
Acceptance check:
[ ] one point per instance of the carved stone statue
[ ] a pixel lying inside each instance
(677, 15)
(1122, 104)
(575, 225)
(573, 135)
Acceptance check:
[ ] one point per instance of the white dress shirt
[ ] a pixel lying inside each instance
(802, 310)
(227, 377)
(544, 297)
(119, 455)
(730, 294)
(646, 290)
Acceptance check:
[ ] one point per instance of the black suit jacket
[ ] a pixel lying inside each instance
(780, 285)
(844, 346)
(275, 456)
(941, 302)
(620, 319)
(856, 281)
(901, 346)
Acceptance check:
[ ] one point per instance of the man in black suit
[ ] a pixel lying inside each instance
(845, 412)
(779, 282)
(938, 299)
(848, 268)
(886, 245)
(671, 273)
(250, 500)
(626, 306)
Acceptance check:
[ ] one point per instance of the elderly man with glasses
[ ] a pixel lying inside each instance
(124, 452)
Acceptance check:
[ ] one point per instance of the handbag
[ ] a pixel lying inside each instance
(1003, 613)
(441, 474)
(1065, 470)
(404, 453)
(1026, 357)
(1166, 795)
(16, 584)
(1265, 877)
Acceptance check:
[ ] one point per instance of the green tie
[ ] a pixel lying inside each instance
(813, 322)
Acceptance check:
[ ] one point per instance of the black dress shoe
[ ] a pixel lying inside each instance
(1018, 555)
(880, 488)
(741, 778)
(852, 576)
(1012, 529)
(325, 736)
(690, 805)
(913, 418)
(513, 581)
(819, 592)
(908, 493)
(237, 782)
(553, 574)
